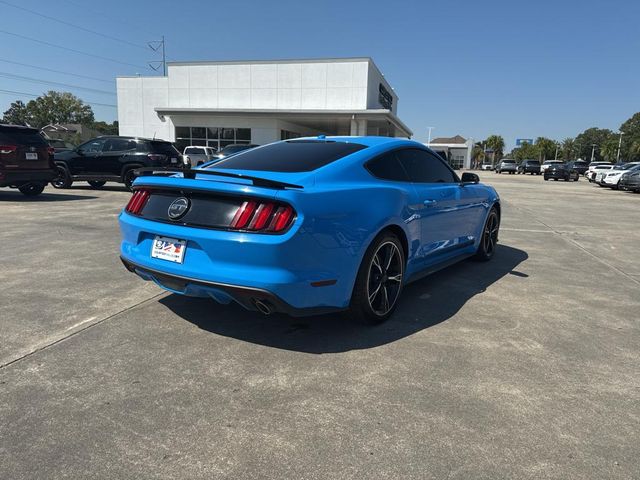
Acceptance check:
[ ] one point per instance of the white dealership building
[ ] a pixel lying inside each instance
(221, 103)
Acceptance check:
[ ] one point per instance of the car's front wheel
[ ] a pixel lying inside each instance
(128, 178)
(379, 280)
(32, 189)
(489, 239)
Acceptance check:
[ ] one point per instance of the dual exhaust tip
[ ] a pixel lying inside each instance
(263, 307)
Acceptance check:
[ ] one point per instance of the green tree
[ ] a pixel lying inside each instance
(609, 149)
(634, 150)
(58, 107)
(590, 137)
(495, 143)
(477, 155)
(106, 128)
(526, 151)
(546, 148)
(16, 114)
(568, 147)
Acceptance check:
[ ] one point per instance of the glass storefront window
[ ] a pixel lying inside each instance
(216, 137)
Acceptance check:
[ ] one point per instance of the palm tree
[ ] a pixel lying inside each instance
(609, 150)
(477, 154)
(568, 145)
(495, 143)
(634, 150)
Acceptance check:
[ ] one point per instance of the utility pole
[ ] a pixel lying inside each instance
(429, 141)
(556, 156)
(593, 150)
(155, 46)
(619, 145)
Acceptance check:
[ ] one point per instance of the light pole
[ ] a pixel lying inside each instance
(619, 145)
(593, 150)
(429, 141)
(556, 155)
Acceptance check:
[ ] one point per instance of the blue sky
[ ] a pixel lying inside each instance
(518, 69)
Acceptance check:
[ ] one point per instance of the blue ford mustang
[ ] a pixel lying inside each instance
(309, 225)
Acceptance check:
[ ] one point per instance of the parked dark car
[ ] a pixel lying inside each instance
(507, 165)
(234, 148)
(580, 165)
(529, 166)
(26, 159)
(113, 159)
(561, 171)
(630, 180)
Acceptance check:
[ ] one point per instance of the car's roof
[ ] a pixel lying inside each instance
(369, 141)
(135, 138)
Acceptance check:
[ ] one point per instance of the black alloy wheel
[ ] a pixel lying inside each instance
(379, 281)
(489, 240)
(63, 179)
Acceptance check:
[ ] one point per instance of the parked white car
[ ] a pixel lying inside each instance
(197, 155)
(613, 176)
(595, 170)
(548, 163)
(486, 166)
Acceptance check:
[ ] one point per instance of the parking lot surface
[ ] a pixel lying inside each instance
(523, 367)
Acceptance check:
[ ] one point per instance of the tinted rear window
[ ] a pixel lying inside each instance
(21, 136)
(291, 156)
(164, 147)
(194, 151)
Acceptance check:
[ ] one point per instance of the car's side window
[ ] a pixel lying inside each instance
(387, 167)
(92, 146)
(119, 145)
(424, 167)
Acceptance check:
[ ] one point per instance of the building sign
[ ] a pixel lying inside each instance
(522, 141)
(385, 98)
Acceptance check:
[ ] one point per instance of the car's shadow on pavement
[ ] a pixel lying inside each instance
(16, 196)
(423, 304)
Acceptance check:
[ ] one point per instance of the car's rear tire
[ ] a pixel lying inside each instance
(63, 180)
(489, 238)
(96, 183)
(379, 281)
(31, 189)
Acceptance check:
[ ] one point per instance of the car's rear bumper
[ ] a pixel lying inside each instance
(251, 298)
(21, 177)
(293, 272)
(558, 175)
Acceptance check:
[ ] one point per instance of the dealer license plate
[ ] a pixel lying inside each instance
(174, 160)
(31, 156)
(168, 249)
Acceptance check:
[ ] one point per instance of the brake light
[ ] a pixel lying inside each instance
(51, 150)
(5, 149)
(262, 216)
(137, 202)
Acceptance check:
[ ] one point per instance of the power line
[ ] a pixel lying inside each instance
(137, 26)
(57, 71)
(72, 25)
(71, 49)
(25, 94)
(47, 82)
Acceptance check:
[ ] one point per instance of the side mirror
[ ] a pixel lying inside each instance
(468, 177)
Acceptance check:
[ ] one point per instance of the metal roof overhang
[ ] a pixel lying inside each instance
(375, 115)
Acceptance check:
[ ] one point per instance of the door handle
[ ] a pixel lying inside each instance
(429, 202)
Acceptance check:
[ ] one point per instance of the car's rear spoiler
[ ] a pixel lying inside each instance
(189, 173)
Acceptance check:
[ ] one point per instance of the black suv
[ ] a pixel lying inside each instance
(529, 166)
(113, 159)
(26, 159)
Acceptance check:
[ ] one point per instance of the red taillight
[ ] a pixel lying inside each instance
(51, 150)
(138, 201)
(4, 149)
(157, 157)
(259, 216)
